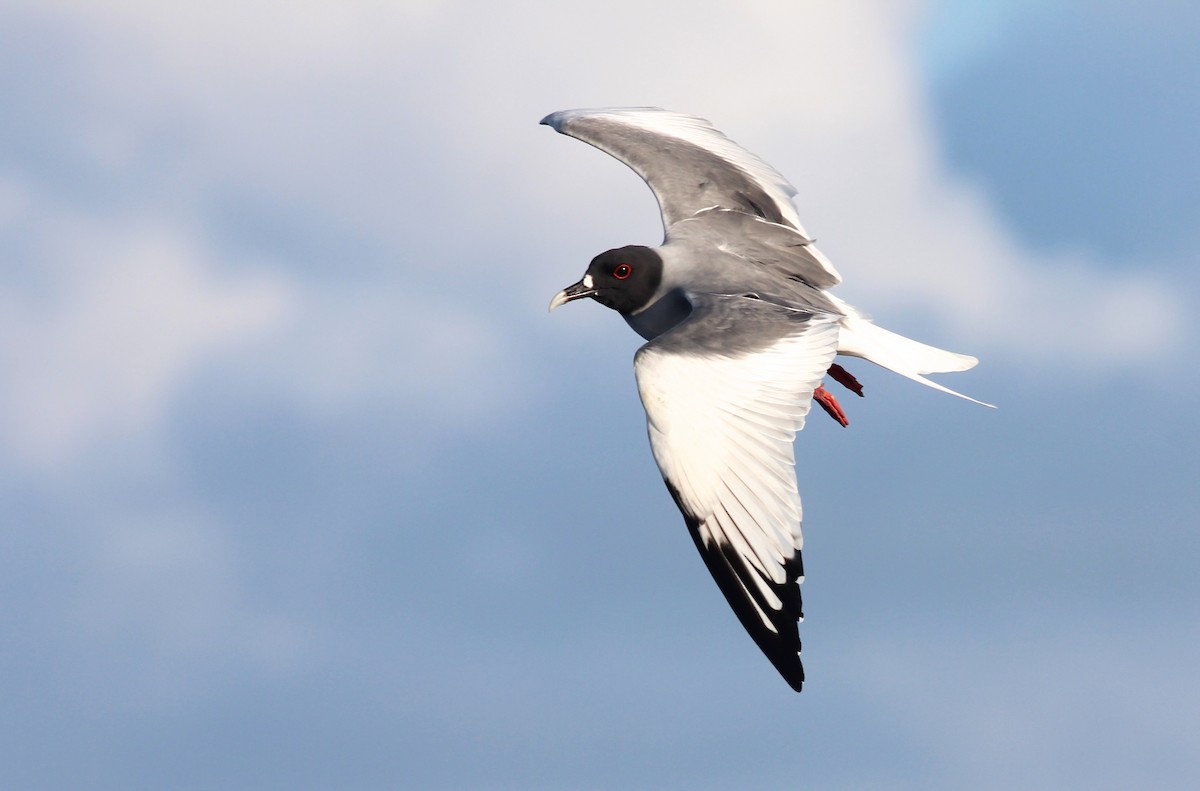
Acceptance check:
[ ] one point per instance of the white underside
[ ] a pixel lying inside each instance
(722, 431)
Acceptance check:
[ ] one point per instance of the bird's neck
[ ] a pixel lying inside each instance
(660, 315)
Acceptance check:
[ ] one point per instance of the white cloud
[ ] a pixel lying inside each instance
(938, 248)
(113, 321)
(118, 315)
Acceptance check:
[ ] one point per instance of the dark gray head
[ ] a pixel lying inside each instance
(624, 279)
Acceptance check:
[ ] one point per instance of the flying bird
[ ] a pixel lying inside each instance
(741, 330)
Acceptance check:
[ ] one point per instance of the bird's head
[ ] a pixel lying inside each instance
(625, 279)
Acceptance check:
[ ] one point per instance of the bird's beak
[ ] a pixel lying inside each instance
(577, 291)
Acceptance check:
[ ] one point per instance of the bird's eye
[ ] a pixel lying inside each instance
(622, 271)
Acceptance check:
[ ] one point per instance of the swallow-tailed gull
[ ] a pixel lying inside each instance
(741, 329)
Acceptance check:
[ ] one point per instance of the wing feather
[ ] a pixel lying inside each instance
(700, 176)
(721, 425)
(689, 165)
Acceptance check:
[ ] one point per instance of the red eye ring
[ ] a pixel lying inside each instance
(622, 271)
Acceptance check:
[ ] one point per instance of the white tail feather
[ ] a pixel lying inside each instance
(861, 338)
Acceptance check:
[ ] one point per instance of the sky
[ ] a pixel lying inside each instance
(302, 488)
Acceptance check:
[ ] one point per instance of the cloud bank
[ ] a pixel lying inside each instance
(362, 129)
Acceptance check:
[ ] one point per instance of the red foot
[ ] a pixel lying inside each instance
(845, 379)
(830, 405)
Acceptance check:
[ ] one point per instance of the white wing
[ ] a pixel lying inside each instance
(725, 393)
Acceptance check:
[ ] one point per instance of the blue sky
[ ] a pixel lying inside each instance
(304, 489)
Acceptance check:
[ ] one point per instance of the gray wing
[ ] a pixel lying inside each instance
(689, 165)
(779, 249)
(725, 393)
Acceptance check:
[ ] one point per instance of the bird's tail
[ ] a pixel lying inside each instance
(861, 338)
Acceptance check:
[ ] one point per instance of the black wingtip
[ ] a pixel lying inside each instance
(781, 647)
(793, 672)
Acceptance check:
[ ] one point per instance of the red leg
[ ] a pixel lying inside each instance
(830, 405)
(845, 379)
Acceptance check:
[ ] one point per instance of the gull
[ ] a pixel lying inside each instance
(741, 329)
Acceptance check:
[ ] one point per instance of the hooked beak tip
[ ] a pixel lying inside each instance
(570, 293)
(560, 298)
